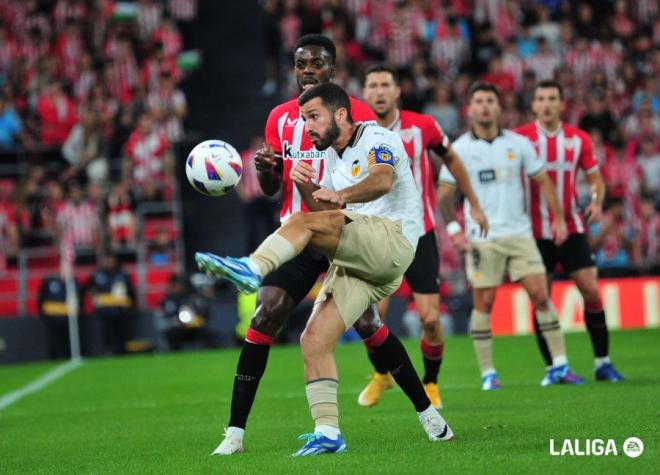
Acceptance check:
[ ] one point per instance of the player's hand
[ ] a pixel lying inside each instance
(559, 230)
(459, 241)
(594, 213)
(327, 196)
(302, 173)
(479, 217)
(264, 159)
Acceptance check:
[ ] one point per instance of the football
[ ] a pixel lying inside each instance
(213, 167)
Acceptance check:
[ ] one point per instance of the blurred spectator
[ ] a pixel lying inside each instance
(182, 317)
(443, 110)
(120, 214)
(168, 106)
(85, 150)
(612, 239)
(647, 255)
(599, 117)
(57, 113)
(114, 303)
(272, 45)
(546, 28)
(162, 250)
(147, 162)
(260, 210)
(149, 16)
(78, 222)
(500, 77)
(169, 36)
(649, 162)
(622, 177)
(544, 61)
(8, 238)
(10, 125)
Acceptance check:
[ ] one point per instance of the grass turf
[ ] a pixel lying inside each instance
(165, 414)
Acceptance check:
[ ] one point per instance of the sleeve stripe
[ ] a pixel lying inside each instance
(595, 168)
(445, 182)
(537, 172)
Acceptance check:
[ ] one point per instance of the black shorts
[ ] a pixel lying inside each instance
(574, 254)
(422, 275)
(297, 276)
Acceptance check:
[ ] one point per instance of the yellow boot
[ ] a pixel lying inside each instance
(433, 393)
(371, 394)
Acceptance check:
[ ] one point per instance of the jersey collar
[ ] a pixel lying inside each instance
(546, 132)
(396, 120)
(357, 133)
(500, 133)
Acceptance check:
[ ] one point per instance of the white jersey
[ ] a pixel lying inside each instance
(496, 172)
(369, 146)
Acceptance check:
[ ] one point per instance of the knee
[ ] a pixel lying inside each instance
(310, 343)
(590, 292)
(272, 310)
(430, 320)
(539, 298)
(485, 302)
(367, 324)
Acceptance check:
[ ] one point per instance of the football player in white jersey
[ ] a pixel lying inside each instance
(370, 244)
(495, 160)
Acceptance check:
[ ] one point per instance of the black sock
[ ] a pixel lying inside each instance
(431, 370)
(543, 345)
(597, 328)
(251, 366)
(377, 361)
(399, 365)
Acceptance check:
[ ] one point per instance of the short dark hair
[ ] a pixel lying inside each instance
(315, 39)
(550, 83)
(332, 96)
(382, 68)
(483, 86)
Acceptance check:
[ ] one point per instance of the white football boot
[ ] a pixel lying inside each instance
(436, 427)
(231, 444)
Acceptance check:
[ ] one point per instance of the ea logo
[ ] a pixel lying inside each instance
(633, 447)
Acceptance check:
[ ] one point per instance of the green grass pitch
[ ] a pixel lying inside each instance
(165, 414)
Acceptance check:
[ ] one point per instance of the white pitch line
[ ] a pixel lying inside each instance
(38, 384)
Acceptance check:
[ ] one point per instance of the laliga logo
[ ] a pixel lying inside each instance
(632, 447)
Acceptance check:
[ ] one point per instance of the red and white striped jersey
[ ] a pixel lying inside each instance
(421, 133)
(563, 152)
(285, 133)
(79, 224)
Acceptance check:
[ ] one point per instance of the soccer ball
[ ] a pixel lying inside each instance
(213, 167)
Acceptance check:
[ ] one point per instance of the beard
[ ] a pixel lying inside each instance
(329, 138)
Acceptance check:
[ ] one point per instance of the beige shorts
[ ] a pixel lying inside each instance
(488, 261)
(370, 261)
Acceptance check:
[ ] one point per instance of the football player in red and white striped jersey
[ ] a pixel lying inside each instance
(420, 134)
(565, 149)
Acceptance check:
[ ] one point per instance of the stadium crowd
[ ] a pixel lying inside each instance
(605, 54)
(89, 110)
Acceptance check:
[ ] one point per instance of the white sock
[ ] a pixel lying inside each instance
(254, 267)
(488, 372)
(235, 432)
(601, 361)
(559, 361)
(429, 411)
(328, 431)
